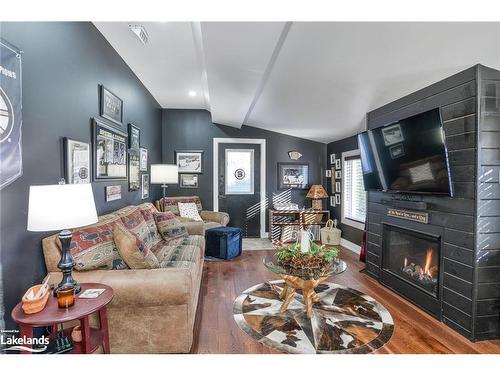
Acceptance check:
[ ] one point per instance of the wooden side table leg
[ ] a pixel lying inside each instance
(85, 334)
(103, 317)
(27, 332)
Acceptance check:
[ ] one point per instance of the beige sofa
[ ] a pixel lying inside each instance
(153, 310)
(211, 219)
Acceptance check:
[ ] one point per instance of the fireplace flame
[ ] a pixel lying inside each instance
(428, 262)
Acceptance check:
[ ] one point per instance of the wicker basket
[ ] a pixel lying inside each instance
(330, 235)
(32, 306)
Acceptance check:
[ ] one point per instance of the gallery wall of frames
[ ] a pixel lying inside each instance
(91, 122)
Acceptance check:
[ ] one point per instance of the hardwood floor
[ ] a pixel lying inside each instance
(216, 331)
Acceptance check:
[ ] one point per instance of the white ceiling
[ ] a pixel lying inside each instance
(309, 79)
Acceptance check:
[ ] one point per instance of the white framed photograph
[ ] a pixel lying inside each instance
(337, 199)
(332, 158)
(189, 161)
(189, 181)
(145, 186)
(392, 135)
(338, 165)
(338, 175)
(337, 187)
(143, 159)
(113, 192)
(332, 201)
(328, 173)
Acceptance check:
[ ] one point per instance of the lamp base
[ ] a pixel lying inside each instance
(67, 263)
(317, 204)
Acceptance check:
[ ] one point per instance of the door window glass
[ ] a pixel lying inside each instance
(239, 170)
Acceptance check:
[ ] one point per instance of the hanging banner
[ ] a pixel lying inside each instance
(11, 160)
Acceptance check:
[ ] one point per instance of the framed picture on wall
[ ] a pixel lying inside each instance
(111, 106)
(337, 199)
(134, 137)
(143, 157)
(76, 161)
(110, 152)
(134, 179)
(332, 159)
(293, 176)
(189, 181)
(113, 192)
(338, 164)
(332, 201)
(337, 187)
(392, 135)
(328, 173)
(145, 186)
(189, 161)
(338, 175)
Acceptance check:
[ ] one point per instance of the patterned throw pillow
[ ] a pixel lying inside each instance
(133, 219)
(190, 211)
(147, 210)
(93, 247)
(136, 253)
(169, 226)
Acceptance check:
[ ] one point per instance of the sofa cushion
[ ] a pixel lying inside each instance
(169, 226)
(132, 219)
(172, 203)
(189, 210)
(166, 253)
(136, 253)
(93, 247)
(147, 210)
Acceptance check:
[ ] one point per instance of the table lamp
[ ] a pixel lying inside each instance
(59, 207)
(317, 193)
(164, 174)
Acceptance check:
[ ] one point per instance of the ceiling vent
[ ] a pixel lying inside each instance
(140, 32)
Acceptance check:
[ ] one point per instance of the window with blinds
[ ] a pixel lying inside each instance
(354, 195)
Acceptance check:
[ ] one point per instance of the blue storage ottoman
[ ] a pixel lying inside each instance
(223, 242)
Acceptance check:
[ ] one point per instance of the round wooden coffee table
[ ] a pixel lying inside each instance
(303, 280)
(52, 316)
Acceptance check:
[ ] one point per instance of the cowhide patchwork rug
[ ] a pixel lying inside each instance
(343, 321)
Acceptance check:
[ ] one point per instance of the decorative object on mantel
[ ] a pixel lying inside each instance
(111, 106)
(346, 320)
(294, 155)
(317, 193)
(164, 174)
(330, 234)
(419, 217)
(57, 207)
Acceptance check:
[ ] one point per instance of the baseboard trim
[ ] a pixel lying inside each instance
(350, 246)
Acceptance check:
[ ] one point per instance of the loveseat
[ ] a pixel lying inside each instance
(153, 310)
(211, 219)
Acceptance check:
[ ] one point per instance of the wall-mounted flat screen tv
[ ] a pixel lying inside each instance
(408, 156)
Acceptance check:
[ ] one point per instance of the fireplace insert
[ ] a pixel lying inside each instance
(412, 257)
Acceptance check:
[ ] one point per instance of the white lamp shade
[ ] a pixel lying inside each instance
(164, 174)
(57, 207)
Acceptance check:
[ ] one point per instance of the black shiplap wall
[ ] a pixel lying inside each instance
(349, 233)
(487, 313)
(63, 63)
(456, 97)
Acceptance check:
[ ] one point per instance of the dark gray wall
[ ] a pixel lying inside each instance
(63, 63)
(194, 130)
(349, 233)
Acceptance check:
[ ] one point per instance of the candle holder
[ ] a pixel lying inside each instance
(65, 297)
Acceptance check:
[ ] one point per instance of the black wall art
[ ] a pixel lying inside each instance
(111, 107)
(110, 152)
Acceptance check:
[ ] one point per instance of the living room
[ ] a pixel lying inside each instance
(173, 186)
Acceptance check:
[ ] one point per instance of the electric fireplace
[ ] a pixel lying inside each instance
(411, 264)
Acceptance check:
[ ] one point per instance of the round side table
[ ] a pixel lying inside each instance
(52, 316)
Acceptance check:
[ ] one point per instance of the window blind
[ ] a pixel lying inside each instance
(354, 195)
